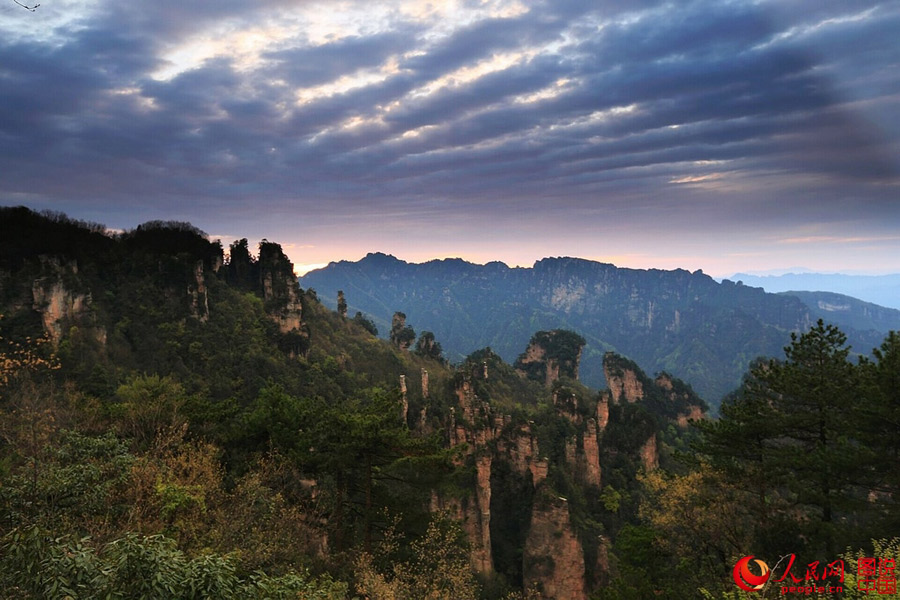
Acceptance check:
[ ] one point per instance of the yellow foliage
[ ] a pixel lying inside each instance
(696, 512)
(172, 487)
(439, 571)
(17, 358)
(881, 550)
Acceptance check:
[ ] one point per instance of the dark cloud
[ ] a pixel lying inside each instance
(609, 98)
(308, 66)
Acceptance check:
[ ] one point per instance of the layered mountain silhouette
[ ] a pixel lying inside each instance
(683, 323)
(882, 290)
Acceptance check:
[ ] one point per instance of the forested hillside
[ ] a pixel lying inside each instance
(685, 323)
(177, 421)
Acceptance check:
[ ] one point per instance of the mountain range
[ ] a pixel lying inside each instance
(155, 396)
(684, 323)
(883, 290)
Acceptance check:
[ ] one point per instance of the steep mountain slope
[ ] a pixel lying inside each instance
(675, 321)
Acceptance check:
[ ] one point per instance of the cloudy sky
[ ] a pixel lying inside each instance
(724, 135)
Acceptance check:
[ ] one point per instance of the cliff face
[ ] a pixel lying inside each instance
(591, 446)
(623, 384)
(473, 511)
(163, 271)
(677, 394)
(666, 396)
(510, 467)
(553, 556)
(58, 304)
(280, 289)
(197, 292)
(551, 355)
(650, 454)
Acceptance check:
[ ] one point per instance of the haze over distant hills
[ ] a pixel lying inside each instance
(684, 323)
(883, 290)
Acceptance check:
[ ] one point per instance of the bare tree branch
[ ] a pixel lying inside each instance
(26, 7)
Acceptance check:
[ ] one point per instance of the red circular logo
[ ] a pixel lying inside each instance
(746, 580)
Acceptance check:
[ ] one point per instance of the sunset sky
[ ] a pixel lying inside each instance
(718, 135)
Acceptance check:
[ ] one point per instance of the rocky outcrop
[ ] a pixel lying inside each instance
(401, 335)
(591, 445)
(197, 293)
(281, 292)
(623, 382)
(403, 399)
(341, 304)
(286, 308)
(473, 511)
(534, 355)
(650, 454)
(551, 355)
(467, 512)
(566, 403)
(553, 555)
(553, 558)
(603, 411)
(520, 450)
(482, 557)
(680, 395)
(58, 304)
(694, 414)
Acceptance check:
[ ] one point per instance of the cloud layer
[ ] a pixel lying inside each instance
(759, 113)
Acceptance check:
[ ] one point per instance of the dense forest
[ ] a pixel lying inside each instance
(182, 421)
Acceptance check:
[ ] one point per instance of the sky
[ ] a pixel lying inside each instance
(723, 135)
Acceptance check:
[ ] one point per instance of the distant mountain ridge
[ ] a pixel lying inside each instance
(848, 311)
(683, 323)
(883, 290)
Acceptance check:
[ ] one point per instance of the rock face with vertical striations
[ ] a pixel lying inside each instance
(281, 292)
(474, 511)
(58, 304)
(591, 445)
(553, 556)
(665, 395)
(521, 497)
(197, 292)
(650, 454)
(622, 379)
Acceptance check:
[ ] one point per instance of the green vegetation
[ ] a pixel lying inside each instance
(428, 347)
(178, 423)
(558, 350)
(705, 332)
(365, 322)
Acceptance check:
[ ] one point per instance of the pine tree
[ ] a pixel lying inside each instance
(815, 388)
(880, 424)
(792, 434)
